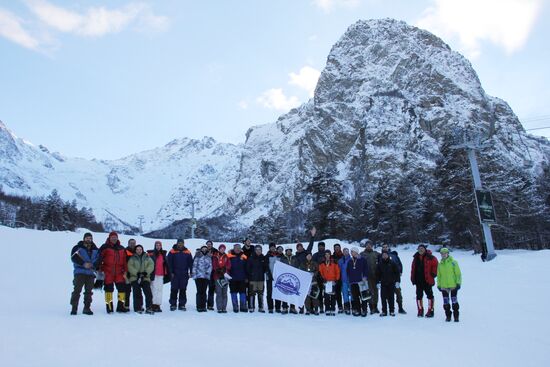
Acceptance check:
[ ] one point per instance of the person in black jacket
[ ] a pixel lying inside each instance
(394, 256)
(85, 259)
(387, 273)
(256, 267)
(272, 257)
(212, 251)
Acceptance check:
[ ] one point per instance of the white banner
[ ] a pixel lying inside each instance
(290, 284)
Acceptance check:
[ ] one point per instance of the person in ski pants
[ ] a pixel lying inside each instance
(357, 271)
(343, 264)
(238, 279)
(449, 280)
(140, 268)
(202, 270)
(423, 274)
(221, 266)
(160, 276)
(180, 262)
(85, 259)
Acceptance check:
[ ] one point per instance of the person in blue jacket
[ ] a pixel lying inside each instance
(343, 264)
(85, 259)
(238, 278)
(357, 270)
(180, 263)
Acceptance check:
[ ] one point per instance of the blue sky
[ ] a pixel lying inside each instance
(104, 79)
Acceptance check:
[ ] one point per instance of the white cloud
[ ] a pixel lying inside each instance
(328, 5)
(505, 23)
(275, 99)
(306, 78)
(11, 27)
(96, 21)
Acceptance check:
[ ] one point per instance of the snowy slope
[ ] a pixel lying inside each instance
(503, 321)
(157, 183)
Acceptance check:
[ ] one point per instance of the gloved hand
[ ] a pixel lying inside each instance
(457, 287)
(98, 284)
(397, 285)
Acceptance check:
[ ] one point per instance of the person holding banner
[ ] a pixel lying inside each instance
(357, 271)
(312, 300)
(330, 273)
(238, 279)
(292, 261)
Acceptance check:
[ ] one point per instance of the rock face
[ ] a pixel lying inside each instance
(389, 97)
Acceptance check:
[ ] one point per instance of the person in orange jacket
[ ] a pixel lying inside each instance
(330, 273)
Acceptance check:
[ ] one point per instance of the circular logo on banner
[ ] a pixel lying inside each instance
(288, 284)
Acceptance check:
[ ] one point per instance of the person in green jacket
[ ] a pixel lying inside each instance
(449, 280)
(140, 268)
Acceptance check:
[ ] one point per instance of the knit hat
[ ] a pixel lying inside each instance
(113, 233)
(355, 249)
(180, 240)
(87, 234)
(444, 250)
(222, 246)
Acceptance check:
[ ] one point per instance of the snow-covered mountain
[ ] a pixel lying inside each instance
(158, 184)
(388, 96)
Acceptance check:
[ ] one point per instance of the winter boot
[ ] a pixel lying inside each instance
(251, 303)
(261, 303)
(149, 311)
(401, 310)
(87, 310)
(455, 311)
(173, 307)
(293, 310)
(109, 302)
(242, 301)
(74, 309)
(347, 308)
(447, 309)
(430, 312)
(120, 307)
(235, 302)
(420, 307)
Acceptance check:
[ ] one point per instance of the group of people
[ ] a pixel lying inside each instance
(350, 280)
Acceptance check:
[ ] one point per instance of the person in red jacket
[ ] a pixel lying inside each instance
(114, 266)
(221, 267)
(423, 273)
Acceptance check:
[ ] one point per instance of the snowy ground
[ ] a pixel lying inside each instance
(504, 321)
